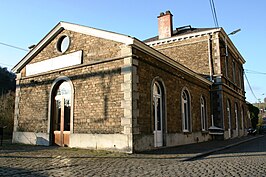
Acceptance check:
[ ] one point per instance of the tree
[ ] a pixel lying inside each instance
(7, 104)
(254, 115)
(7, 81)
(7, 100)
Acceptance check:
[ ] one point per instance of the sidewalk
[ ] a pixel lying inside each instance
(193, 151)
(181, 153)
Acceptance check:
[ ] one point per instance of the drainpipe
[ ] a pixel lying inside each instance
(211, 77)
(209, 56)
(226, 48)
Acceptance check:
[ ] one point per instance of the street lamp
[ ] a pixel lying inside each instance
(234, 32)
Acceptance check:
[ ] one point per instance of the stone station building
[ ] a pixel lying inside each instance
(91, 88)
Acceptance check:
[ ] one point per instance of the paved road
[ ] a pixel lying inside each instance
(247, 159)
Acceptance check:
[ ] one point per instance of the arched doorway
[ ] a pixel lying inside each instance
(158, 114)
(61, 113)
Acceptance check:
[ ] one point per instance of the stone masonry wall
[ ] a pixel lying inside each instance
(97, 99)
(33, 105)
(228, 76)
(174, 80)
(233, 98)
(97, 87)
(94, 49)
(233, 88)
(192, 53)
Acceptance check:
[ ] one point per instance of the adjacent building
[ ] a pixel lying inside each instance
(91, 88)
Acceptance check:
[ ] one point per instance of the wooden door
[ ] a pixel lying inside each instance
(61, 117)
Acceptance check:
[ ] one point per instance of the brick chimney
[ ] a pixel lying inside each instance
(165, 25)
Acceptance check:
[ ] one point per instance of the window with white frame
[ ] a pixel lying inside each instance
(203, 114)
(228, 110)
(236, 116)
(226, 67)
(240, 74)
(186, 111)
(242, 118)
(157, 106)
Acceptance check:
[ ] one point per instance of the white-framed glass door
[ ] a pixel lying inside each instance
(157, 114)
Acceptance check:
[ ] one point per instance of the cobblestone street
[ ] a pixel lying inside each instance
(246, 159)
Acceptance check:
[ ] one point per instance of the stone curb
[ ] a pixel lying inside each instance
(203, 154)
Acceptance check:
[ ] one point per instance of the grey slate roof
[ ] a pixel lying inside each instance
(181, 31)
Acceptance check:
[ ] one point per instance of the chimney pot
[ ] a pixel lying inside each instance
(168, 12)
(165, 24)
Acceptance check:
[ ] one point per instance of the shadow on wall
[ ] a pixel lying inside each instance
(31, 138)
(41, 141)
(106, 76)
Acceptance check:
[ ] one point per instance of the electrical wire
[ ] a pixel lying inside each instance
(254, 72)
(13, 46)
(5, 64)
(214, 15)
(250, 86)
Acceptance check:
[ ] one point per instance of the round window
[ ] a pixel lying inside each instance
(63, 44)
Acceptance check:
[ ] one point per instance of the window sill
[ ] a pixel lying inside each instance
(186, 132)
(204, 131)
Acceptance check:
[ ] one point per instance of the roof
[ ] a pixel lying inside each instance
(184, 30)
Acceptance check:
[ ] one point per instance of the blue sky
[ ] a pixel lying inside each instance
(25, 22)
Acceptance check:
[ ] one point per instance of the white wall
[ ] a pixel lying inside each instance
(117, 142)
(31, 138)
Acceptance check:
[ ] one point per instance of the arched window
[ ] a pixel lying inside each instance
(203, 114)
(226, 67)
(242, 118)
(234, 71)
(228, 111)
(186, 111)
(236, 118)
